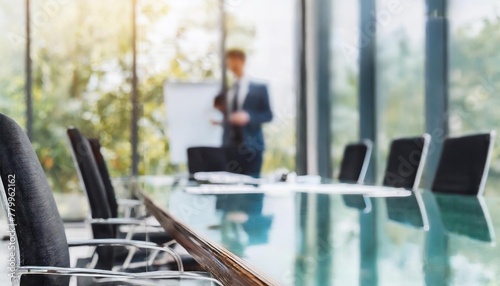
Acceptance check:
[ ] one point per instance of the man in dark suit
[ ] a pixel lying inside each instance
(247, 108)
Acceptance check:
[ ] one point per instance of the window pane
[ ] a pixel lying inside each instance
(345, 76)
(12, 54)
(82, 61)
(255, 26)
(400, 72)
(169, 50)
(474, 73)
(170, 34)
(345, 129)
(12, 92)
(401, 96)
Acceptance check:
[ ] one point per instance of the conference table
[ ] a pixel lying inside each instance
(318, 237)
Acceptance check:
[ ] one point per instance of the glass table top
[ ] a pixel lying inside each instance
(330, 239)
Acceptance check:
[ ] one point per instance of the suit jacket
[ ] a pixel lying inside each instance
(257, 105)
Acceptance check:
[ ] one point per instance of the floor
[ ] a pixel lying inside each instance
(74, 231)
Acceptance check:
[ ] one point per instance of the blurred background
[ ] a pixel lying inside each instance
(81, 73)
(82, 61)
(91, 63)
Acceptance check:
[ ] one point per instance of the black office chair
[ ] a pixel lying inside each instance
(106, 178)
(405, 166)
(213, 159)
(353, 169)
(406, 162)
(103, 224)
(128, 204)
(131, 207)
(41, 254)
(355, 162)
(464, 164)
(207, 159)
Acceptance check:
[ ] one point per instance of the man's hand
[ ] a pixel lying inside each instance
(240, 118)
(215, 122)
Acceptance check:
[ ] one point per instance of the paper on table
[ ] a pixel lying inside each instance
(224, 178)
(223, 189)
(353, 189)
(340, 189)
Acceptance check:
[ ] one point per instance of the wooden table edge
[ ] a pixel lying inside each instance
(224, 265)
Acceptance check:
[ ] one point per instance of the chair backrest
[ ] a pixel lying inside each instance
(464, 164)
(406, 161)
(207, 159)
(39, 229)
(106, 178)
(96, 194)
(355, 162)
(353, 170)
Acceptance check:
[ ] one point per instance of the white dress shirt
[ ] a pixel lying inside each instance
(243, 85)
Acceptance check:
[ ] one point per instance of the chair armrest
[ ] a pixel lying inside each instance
(129, 203)
(25, 270)
(117, 221)
(132, 243)
(115, 276)
(115, 242)
(123, 221)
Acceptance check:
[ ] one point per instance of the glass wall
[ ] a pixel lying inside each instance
(170, 33)
(256, 26)
(82, 53)
(474, 78)
(169, 50)
(12, 92)
(82, 68)
(344, 74)
(12, 57)
(400, 72)
(400, 89)
(474, 73)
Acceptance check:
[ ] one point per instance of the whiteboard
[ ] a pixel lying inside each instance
(189, 114)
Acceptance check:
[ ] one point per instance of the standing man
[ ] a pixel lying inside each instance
(247, 108)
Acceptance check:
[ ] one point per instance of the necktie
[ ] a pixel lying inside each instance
(237, 132)
(235, 105)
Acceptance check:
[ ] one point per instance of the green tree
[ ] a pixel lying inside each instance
(474, 82)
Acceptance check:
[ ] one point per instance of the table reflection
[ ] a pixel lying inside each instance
(242, 221)
(358, 202)
(467, 216)
(408, 210)
(315, 239)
